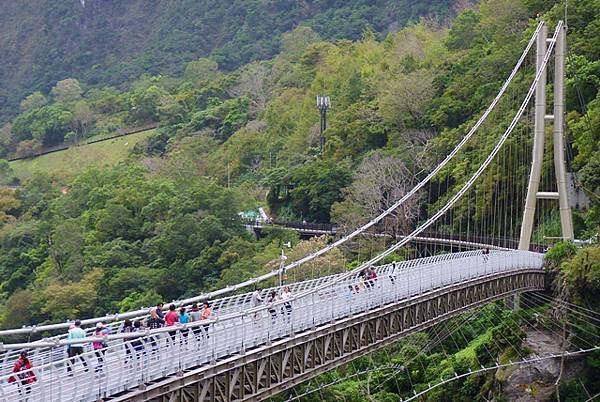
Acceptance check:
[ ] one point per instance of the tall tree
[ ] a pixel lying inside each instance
(378, 183)
(68, 90)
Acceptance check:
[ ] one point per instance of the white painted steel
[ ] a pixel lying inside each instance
(538, 144)
(238, 326)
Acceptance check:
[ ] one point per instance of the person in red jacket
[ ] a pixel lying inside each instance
(24, 373)
(171, 319)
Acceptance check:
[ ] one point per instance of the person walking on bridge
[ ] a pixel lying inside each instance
(76, 349)
(206, 315)
(195, 315)
(486, 254)
(138, 345)
(159, 311)
(184, 318)
(154, 322)
(127, 328)
(257, 300)
(172, 318)
(286, 296)
(371, 277)
(100, 346)
(23, 371)
(393, 272)
(272, 298)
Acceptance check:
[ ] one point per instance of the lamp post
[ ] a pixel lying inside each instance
(323, 103)
(282, 263)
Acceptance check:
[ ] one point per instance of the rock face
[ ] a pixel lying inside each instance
(535, 381)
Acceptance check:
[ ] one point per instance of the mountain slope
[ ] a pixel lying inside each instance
(112, 42)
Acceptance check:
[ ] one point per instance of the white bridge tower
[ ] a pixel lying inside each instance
(558, 120)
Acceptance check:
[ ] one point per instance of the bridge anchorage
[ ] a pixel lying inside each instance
(252, 351)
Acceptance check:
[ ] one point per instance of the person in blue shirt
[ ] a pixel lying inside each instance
(184, 318)
(76, 349)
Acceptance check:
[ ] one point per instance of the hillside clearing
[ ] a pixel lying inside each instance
(67, 163)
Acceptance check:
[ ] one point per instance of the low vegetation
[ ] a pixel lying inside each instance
(64, 165)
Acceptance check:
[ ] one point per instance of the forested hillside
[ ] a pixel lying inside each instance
(106, 42)
(252, 136)
(164, 223)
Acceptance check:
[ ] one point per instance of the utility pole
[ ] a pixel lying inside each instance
(323, 103)
(533, 193)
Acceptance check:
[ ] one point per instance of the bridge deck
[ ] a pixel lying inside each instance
(239, 329)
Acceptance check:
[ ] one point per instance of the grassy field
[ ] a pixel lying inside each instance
(68, 163)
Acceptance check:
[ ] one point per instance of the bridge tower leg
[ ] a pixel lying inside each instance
(533, 193)
(566, 220)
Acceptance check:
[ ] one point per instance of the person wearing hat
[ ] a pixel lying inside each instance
(23, 370)
(100, 346)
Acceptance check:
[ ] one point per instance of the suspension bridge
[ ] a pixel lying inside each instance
(252, 351)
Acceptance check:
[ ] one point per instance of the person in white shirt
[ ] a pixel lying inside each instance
(257, 300)
(393, 272)
(286, 296)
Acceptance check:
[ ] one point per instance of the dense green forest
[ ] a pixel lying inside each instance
(103, 42)
(233, 136)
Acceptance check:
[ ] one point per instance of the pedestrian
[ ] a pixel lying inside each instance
(195, 315)
(23, 371)
(206, 315)
(393, 272)
(257, 300)
(137, 344)
(486, 254)
(286, 296)
(76, 349)
(127, 328)
(154, 322)
(159, 311)
(371, 277)
(184, 318)
(272, 298)
(172, 318)
(100, 346)
(364, 278)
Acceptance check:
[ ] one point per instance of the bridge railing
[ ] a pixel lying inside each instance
(155, 354)
(220, 307)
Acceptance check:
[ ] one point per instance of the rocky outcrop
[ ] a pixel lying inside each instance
(536, 381)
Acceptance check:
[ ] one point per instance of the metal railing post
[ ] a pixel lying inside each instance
(332, 298)
(244, 322)
(213, 357)
(313, 310)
